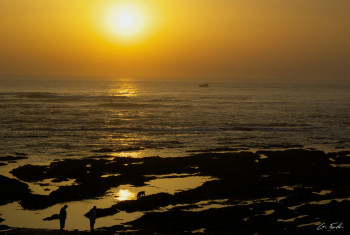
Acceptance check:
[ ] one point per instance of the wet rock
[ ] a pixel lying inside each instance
(306, 220)
(175, 221)
(114, 229)
(4, 227)
(35, 201)
(21, 154)
(342, 157)
(224, 149)
(103, 212)
(52, 217)
(262, 207)
(263, 221)
(103, 150)
(226, 165)
(108, 150)
(284, 146)
(285, 213)
(301, 197)
(57, 180)
(30, 173)
(130, 149)
(12, 158)
(12, 190)
(236, 176)
(294, 159)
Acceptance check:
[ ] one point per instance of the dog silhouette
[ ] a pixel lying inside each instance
(141, 194)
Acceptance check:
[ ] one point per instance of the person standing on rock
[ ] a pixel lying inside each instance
(92, 217)
(63, 216)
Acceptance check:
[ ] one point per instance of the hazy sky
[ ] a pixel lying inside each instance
(234, 39)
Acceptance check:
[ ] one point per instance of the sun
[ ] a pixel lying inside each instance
(126, 21)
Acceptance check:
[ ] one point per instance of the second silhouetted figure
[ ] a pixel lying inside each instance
(92, 217)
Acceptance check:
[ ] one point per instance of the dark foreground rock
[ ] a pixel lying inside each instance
(12, 190)
(12, 158)
(268, 192)
(25, 231)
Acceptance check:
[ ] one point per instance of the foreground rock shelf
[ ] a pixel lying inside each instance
(267, 191)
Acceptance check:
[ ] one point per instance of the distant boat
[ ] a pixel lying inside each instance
(204, 85)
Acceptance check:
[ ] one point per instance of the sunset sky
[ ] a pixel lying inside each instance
(229, 39)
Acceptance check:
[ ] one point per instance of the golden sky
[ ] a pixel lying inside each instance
(232, 39)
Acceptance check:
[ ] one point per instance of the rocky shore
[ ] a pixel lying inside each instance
(294, 190)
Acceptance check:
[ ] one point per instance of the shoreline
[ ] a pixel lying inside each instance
(293, 190)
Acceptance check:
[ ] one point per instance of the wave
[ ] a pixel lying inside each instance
(141, 105)
(166, 99)
(126, 105)
(270, 127)
(36, 95)
(49, 96)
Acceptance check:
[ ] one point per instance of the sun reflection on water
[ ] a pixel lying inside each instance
(126, 89)
(122, 95)
(135, 154)
(125, 194)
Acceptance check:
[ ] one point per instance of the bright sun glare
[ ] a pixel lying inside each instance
(126, 21)
(124, 194)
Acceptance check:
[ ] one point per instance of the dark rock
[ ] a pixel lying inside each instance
(103, 150)
(21, 154)
(52, 217)
(30, 173)
(301, 197)
(114, 229)
(224, 149)
(108, 150)
(4, 227)
(102, 212)
(129, 149)
(295, 158)
(35, 201)
(11, 158)
(342, 157)
(237, 177)
(12, 190)
(57, 180)
(175, 221)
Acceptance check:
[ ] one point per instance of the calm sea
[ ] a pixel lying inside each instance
(53, 118)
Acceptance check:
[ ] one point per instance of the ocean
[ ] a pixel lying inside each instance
(55, 119)
(49, 119)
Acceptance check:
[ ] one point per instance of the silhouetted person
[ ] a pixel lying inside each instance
(92, 217)
(63, 216)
